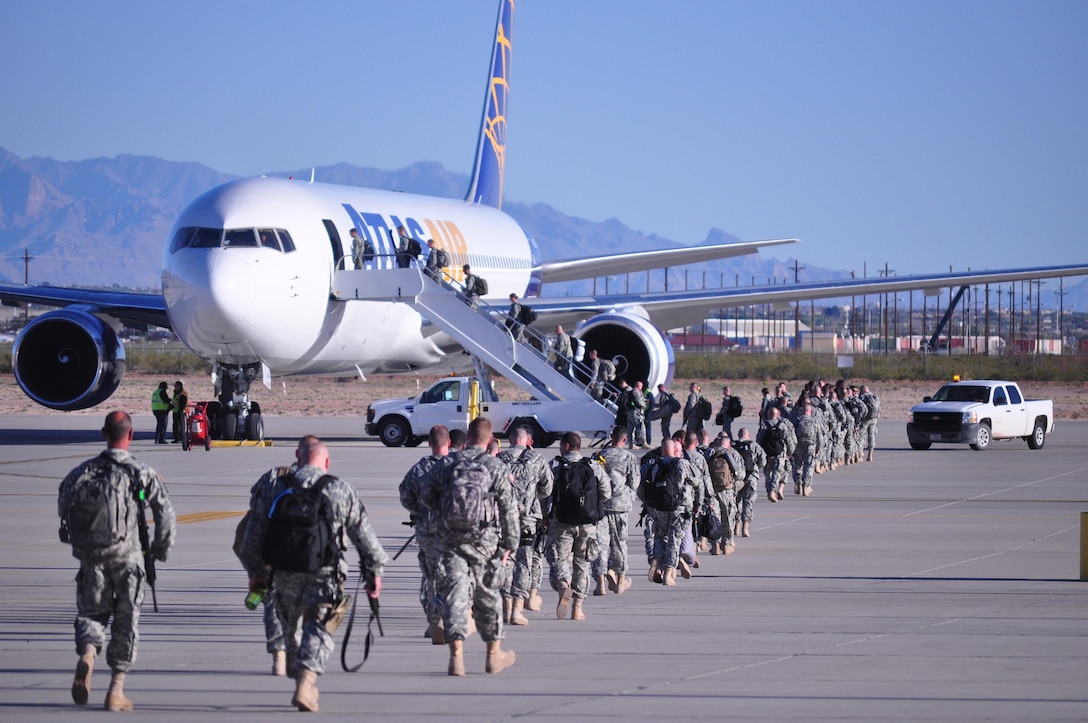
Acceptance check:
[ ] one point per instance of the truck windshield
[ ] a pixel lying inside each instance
(962, 394)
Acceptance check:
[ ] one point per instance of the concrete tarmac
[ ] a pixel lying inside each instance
(938, 585)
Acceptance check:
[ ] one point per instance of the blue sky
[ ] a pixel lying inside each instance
(922, 134)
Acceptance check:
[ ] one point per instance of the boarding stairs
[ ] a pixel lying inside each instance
(480, 329)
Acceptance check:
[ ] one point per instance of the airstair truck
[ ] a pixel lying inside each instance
(456, 401)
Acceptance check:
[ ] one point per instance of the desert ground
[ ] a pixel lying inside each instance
(350, 397)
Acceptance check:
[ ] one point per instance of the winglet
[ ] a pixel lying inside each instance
(487, 175)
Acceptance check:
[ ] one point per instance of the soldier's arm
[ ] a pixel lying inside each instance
(604, 482)
(162, 511)
(409, 489)
(546, 482)
(509, 520)
(357, 525)
(631, 474)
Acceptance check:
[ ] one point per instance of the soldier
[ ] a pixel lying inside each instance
(666, 402)
(513, 322)
(708, 503)
(476, 540)
(622, 469)
(471, 290)
(726, 413)
(668, 482)
(572, 538)
(869, 426)
(839, 416)
(779, 441)
(755, 461)
(563, 350)
(532, 485)
(693, 420)
(362, 252)
(310, 600)
(648, 422)
(857, 411)
(99, 503)
(411, 489)
(726, 497)
(633, 403)
(806, 452)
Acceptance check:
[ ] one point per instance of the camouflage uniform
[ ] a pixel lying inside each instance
(668, 526)
(706, 495)
(634, 406)
(746, 498)
(411, 491)
(273, 629)
(869, 426)
(726, 501)
(571, 548)
(469, 575)
(305, 601)
(622, 469)
(804, 456)
(536, 475)
(778, 466)
(693, 422)
(110, 581)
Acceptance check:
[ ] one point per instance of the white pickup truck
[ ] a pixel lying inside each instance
(978, 412)
(455, 401)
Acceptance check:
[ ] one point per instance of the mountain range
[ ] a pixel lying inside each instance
(102, 222)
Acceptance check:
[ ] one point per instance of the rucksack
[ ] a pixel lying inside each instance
(608, 370)
(674, 404)
(465, 504)
(872, 405)
(575, 493)
(442, 258)
(662, 489)
(301, 536)
(736, 407)
(774, 440)
(744, 448)
(721, 472)
(527, 315)
(524, 480)
(96, 515)
(703, 409)
(414, 248)
(481, 286)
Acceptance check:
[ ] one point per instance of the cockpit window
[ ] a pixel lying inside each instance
(235, 237)
(196, 237)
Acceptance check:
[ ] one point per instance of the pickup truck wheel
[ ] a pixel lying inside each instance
(394, 432)
(920, 445)
(982, 441)
(1038, 435)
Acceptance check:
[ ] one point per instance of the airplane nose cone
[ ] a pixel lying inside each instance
(231, 291)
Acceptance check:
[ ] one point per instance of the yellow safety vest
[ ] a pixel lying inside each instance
(157, 404)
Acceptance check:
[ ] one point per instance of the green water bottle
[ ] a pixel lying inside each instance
(254, 598)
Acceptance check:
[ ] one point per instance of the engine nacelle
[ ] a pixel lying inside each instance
(633, 344)
(68, 359)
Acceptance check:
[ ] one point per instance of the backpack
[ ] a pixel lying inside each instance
(703, 409)
(465, 505)
(608, 370)
(721, 473)
(774, 441)
(872, 406)
(736, 407)
(414, 248)
(744, 448)
(96, 513)
(301, 535)
(575, 493)
(674, 404)
(527, 315)
(442, 258)
(524, 480)
(481, 286)
(662, 488)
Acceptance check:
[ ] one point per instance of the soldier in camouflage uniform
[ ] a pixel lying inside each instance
(572, 547)
(807, 450)
(857, 411)
(727, 499)
(706, 496)
(669, 525)
(838, 429)
(307, 602)
(411, 491)
(746, 499)
(110, 579)
(610, 566)
(778, 465)
(469, 574)
(532, 485)
(869, 426)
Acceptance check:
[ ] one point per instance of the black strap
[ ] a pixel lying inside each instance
(374, 615)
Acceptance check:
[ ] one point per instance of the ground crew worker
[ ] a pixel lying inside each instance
(160, 407)
(179, 405)
(306, 602)
(103, 530)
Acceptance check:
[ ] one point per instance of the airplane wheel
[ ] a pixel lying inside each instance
(394, 432)
(230, 426)
(254, 427)
(207, 442)
(186, 442)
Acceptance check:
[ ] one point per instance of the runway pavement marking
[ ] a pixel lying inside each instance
(785, 522)
(208, 516)
(992, 554)
(997, 492)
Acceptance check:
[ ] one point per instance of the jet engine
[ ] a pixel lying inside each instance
(68, 359)
(632, 343)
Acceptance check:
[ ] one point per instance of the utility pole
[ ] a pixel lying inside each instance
(885, 273)
(1061, 292)
(797, 269)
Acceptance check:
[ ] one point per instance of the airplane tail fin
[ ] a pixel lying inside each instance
(487, 175)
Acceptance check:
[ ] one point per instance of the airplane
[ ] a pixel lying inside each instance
(249, 267)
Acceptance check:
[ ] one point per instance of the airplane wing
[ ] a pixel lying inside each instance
(133, 309)
(587, 268)
(671, 309)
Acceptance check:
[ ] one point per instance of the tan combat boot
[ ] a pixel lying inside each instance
(576, 610)
(562, 610)
(497, 658)
(612, 579)
(737, 527)
(781, 490)
(796, 488)
(713, 547)
(670, 577)
(623, 584)
(81, 685)
(601, 587)
(305, 698)
(685, 571)
(730, 548)
(457, 658)
(535, 602)
(651, 575)
(279, 663)
(438, 634)
(746, 531)
(507, 606)
(516, 618)
(869, 456)
(115, 696)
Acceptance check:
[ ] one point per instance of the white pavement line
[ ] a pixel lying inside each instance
(992, 554)
(997, 492)
(784, 522)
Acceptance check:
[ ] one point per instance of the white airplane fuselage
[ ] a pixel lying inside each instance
(246, 303)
